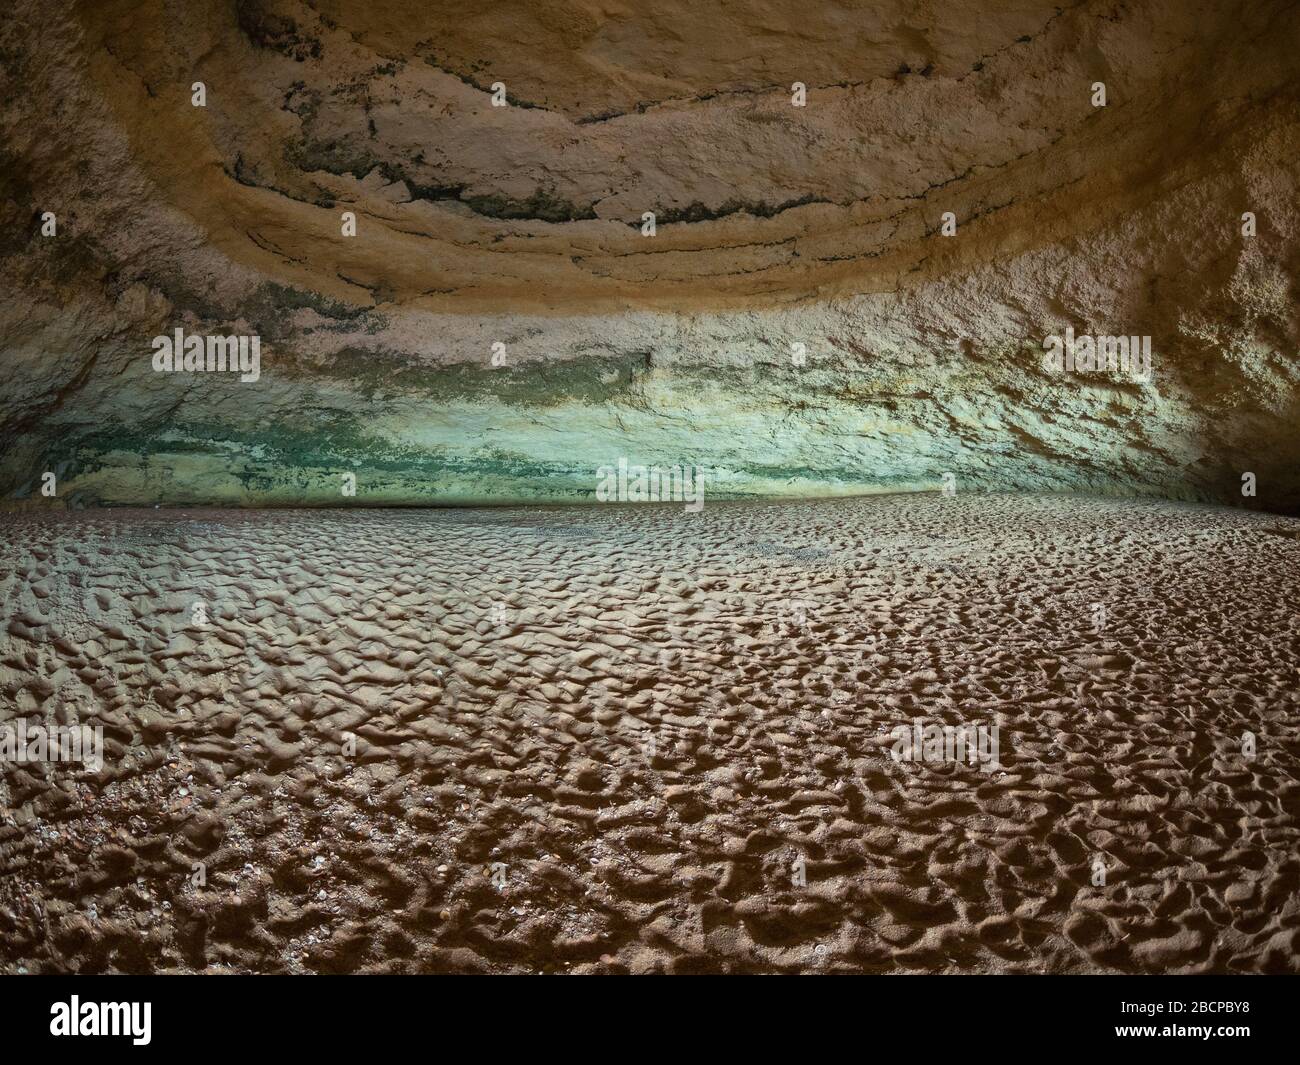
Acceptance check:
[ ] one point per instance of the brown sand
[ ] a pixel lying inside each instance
(525, 741)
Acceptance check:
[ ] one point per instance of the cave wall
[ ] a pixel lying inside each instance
(521, 225)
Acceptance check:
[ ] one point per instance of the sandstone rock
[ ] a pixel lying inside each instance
(520, 226)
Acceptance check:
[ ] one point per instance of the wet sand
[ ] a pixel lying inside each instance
(635, 739)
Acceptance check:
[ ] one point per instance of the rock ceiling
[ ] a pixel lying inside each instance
(775, 225)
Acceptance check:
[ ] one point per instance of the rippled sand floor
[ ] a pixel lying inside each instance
(607, 739)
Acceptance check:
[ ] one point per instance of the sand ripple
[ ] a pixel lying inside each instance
(606, 738)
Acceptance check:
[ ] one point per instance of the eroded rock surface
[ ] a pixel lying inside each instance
(521, 225)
